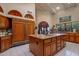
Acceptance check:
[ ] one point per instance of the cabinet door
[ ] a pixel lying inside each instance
(5, 43)
(18, 31)
(77, 39)
(66, 37)
(72, 38)
(53, 48)
(47, 49)
(29, 28)
(58, 43)
(4, 23)
(62, 43)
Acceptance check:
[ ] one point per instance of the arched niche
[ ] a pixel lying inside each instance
(15, 13)
(1, 10)
(43, 24)
(29, 16)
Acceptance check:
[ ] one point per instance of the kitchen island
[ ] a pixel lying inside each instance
(46, 45)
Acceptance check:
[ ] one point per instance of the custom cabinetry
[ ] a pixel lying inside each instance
(77, 38)
(46, 46)
(30, 25)
(5, 43)
(35, 45)
(18, 30)
(53, 46)
(72, 37)
(4, 22)
(58, 43)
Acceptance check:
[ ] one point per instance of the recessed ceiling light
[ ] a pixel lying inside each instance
(57, 8)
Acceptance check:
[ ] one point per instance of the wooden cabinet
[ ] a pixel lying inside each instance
(50, 47)
(4, 23)
(71, 37)
(66, 37)
(63, 42)
(47, 47)
(53, 46)
(30, 25)
(5, 43)
(35, 45)
(58, 43)
(18, 30)
(77, 39)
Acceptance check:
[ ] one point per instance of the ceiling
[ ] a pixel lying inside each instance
(55, 7)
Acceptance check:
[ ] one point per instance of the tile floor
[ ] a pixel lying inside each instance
(71, 49)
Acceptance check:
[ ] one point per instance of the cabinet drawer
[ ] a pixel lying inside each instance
(72, 34)
(72, 38)
(47, 41)
(53, 39)
(77, 34)
(59, 37)
(58, 41)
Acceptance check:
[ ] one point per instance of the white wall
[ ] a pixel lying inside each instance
(44, 16)
(21, 7)
(73, 12)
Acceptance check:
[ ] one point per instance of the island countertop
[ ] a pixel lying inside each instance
(41, 36)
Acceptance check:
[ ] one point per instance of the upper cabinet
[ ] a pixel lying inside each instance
(15, 13)
(4, 23)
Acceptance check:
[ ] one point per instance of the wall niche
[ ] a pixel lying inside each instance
(15, 13)
(29, 16)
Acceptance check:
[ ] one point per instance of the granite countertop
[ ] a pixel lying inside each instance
(41, 36)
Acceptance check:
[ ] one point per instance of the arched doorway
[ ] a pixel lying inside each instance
(43, 27)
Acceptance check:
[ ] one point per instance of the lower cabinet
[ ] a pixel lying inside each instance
(35, 45)
(72, 38)
(66, 37)
(47, 49)
(53, 47)
(18, 31)
(63, 43)
(58, 43)
(5, 43)
(77, 39)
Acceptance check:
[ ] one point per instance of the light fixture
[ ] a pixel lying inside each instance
(57, 8)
